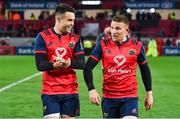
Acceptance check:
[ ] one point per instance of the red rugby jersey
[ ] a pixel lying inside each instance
(119, 66)
(62, 80)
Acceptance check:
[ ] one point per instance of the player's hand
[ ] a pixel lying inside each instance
(56, 58)
(94, 97)
(59, 64)
(68, 62)
(62, 63)
(148, 100)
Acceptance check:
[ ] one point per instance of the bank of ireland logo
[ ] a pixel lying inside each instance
(119, 60)
(167, 5)
(60, 53)
(51, 5)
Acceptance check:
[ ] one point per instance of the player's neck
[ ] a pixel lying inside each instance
(57, 29)
(123, 40)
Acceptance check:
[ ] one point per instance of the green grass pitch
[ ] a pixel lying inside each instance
(23, 100)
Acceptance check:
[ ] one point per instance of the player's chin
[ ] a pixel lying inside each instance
(114, 39)
(68, 30)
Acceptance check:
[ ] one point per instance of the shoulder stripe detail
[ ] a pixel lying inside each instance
(78, 53)
(134, 41)
(73, 34)
(40, 51)
(46, 32)
(143, 62)
(93, 57)
(106, 41)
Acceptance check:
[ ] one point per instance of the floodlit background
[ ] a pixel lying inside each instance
(150, 20)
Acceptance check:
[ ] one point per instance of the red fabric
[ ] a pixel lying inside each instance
(40, 52)
(93, 57)
(62, 80)
(160, 44)
(119, 69)
(7, 50)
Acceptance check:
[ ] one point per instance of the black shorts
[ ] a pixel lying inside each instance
(120, 107)
(65, 104)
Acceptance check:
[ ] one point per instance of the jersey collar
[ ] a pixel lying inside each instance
(55, 32)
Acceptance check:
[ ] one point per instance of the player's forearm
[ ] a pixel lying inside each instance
(88, 75)
(42, 64)
(45, 66)
(146, 76)
(78, 62)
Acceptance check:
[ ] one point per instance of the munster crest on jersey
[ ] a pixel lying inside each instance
(71, 44)
(132, 51)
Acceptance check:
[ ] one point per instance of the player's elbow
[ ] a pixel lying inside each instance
(39, 68)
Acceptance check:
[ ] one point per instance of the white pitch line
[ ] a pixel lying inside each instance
(19, 81)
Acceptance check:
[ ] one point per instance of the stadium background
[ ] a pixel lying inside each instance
(21, 20)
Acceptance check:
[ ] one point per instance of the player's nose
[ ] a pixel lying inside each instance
(72, 23)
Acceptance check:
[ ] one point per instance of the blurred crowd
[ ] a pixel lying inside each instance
(160, 41)
(20, 30)
(141, 21)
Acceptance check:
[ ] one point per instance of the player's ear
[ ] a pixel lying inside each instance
(58, 18)
(61, 17)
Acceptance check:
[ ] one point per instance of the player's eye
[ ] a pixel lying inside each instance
(118, 28)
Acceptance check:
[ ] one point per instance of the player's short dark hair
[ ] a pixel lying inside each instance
(62, 8)
(121, 18)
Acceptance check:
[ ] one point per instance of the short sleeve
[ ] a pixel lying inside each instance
(96, 54)
(78, 48)
(39, 46)
(142, 56)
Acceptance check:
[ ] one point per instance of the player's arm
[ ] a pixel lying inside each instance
(79, 59)
(146, 77)
(42, 63)
(88, 74)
